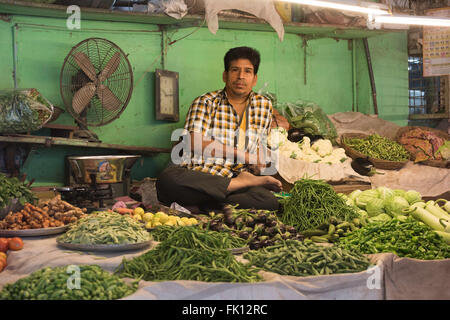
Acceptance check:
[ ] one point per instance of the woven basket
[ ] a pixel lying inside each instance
(439, 133)
(378, 163)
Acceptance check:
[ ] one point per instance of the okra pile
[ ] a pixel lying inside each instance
(408, 238)
(191, 254)
(60, 284)
(295, 258)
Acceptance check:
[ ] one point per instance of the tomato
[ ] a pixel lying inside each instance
(15, 244)
(4, 244)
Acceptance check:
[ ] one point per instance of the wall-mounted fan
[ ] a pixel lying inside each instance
(96, 83)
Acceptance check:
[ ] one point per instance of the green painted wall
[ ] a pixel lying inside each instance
(42, 44)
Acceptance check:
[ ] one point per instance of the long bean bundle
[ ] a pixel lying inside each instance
(378, 147)
(190, 254)
(312, 203)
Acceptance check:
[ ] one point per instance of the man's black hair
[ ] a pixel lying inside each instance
(242, 53)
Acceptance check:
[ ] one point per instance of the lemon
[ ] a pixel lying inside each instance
(137, 217)
(193, 221)
(138, 210)
(157, 224)
(149, 225)
(181, 223)
(148, 216)
(159, 214)
(164, 218)
(155, 219)
(169, 223)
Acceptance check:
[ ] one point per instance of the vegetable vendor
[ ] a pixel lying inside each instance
(222, 157)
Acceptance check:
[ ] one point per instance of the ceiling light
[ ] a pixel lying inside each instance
(414, 20)
(349, 5)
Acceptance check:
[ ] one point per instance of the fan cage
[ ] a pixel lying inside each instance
(99, 52)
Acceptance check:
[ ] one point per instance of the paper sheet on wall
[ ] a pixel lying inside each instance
(436, 46)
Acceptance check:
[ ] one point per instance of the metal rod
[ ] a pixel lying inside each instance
(372, 80)
(14, 43)
(354, 82)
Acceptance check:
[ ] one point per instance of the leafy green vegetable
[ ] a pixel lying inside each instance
(12, 188)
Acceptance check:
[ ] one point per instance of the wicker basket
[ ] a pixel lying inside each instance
(439, 133)
(378, 163)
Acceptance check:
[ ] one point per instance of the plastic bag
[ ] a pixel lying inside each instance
(309, 117)
(23, 110)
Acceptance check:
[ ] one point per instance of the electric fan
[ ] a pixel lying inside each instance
(96, 83)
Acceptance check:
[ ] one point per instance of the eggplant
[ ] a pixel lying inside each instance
(295, 134)
(244, 235)
(250, 222)
(292, 230)
(363, 166)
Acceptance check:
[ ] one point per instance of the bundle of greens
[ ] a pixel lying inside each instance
(313, 203)
(12, 188)
(23, 110)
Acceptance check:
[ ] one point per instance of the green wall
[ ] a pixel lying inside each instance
(42, 44)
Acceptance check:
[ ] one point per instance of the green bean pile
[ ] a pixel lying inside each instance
(163, 232)
(52, 284)
(105, 228)
(378, 147)
(193, 237)
(190, 254)
(405, 239)
(295, 258)
(313, 203)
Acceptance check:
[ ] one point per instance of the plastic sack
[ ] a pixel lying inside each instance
(309, 117)
(23, 110)
(174, 8)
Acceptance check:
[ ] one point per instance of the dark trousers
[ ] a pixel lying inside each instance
(204, 190)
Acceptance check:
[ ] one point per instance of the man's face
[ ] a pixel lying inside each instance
(240, 77)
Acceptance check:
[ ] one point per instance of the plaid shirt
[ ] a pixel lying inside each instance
(213, 116)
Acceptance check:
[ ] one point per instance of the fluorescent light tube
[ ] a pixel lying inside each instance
(372, 8)
(414, 20)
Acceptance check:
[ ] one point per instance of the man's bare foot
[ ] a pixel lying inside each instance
(246, 179)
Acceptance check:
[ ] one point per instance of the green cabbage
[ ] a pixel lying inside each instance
(375, 207)
(364, 197)
(380, 218)
(413, 196)
(354, 194)
(399, 192)
(395, 205)
(384, 193)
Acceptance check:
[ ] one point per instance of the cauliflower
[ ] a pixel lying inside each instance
(323, 147)
(305, 144)
(277, 137)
